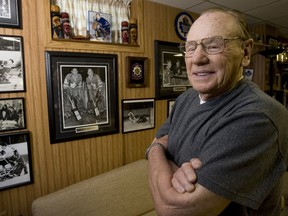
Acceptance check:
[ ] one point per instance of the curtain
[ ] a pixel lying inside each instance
(78, 14)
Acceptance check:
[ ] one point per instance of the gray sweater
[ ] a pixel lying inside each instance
(241, 137)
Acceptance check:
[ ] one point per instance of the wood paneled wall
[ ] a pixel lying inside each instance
(58, 165)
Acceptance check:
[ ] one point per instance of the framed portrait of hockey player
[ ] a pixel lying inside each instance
(82, 95)
(10, 14)
(15, 160)
(99, 26)
(138, 114)
(171, 77)
(12, 114)
(12, 76)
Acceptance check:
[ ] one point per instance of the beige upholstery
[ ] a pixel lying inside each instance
(122, 191)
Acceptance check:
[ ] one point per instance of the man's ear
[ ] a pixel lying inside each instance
(248, 47)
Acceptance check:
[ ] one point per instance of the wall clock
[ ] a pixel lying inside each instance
(183, 22)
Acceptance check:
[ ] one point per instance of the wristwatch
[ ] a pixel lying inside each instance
(154, 144)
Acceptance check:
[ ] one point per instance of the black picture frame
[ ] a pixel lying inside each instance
(81, 110)
(170, 71)
(138, 74)
(16, 163)
(12, 76)
(138, 114)
(11, 15)
(12, 114)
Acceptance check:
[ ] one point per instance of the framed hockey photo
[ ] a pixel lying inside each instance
(12, 76)
(82, 95)
(138, 114)
(10, 14)
(12, 114)
(99, 26)
(171, 77)
(137, 68)
(15, 160)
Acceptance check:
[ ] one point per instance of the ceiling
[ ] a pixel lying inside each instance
(272, 12)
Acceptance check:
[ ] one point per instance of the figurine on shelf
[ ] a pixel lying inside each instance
(125, 32)
(133, 31)
(57, 30)
(66, 25)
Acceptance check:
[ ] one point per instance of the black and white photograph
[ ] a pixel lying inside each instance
(138, 114)
(82, 95)
(15, 160)
(11, 64)
(12, 114)
(99, 26)
(170, 70)
(10, 14)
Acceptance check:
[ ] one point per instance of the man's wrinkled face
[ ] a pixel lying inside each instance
(214, 74)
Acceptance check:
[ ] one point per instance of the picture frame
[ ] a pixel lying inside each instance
(170, 104)
(137, 68)
(12, 114)
(99, 26)
(81, 106)
(16, 163)
(10, 14)
(170, 71)
(12, 76)
(138, 114)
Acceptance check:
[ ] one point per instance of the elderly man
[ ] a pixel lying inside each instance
(223, 149)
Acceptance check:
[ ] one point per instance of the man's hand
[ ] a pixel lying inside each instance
(184, 178)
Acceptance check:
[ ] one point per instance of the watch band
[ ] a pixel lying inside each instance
(154, 144)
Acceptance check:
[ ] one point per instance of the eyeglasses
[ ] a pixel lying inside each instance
(211, 45)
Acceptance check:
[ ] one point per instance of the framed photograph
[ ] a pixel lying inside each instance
(10, 14)
(137, 72)
(82, 95)
(170, 71)
(15, 160)
(138, 114)
(12, 114)
(12, 76)
(170, 104)
(99, 26)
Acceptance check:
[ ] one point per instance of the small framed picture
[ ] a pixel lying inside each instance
(15, 160)
(248, 73)
(171, 77)
(137, 72)
(138, 114)
(10, 14)
(12, 78)
(170, 104)
(99, 26)
(12, 114)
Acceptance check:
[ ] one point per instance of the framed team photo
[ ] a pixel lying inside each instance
(15, 160)
(12, 75)
(138, 114)
(171, 77)
(12, 114)
(82, 95)
(99, 26)
(10, 14)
